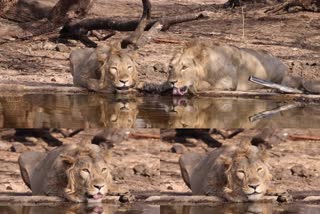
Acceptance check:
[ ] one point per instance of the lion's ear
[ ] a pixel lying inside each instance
(103, 53)
(67, 160)
(226, 161)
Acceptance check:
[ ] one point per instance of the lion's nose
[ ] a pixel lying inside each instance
(254, 186)
(99, 187)
(124, 81)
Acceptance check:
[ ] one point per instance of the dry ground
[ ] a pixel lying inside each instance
(294, 38)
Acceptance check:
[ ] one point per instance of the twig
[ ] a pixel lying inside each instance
(160, 40)
(303, 137)
(279, 87)
(242, 23)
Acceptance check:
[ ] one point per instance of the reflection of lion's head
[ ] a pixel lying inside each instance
(247, 173)
(88, 175)
(121, 71)
(187, 68)
(122, 113)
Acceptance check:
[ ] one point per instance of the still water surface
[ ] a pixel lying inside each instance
(232, 208)
(247, 208)
(81, 209)
(84, 111)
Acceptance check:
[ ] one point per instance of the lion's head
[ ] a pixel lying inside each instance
(247, 173)
(87, 173)
(187, 68)
(120, 68)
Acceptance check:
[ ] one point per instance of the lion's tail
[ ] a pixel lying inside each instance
(187, 164)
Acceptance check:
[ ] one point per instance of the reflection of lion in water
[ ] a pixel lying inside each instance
(236, 173)
(104, 69)
(78, 173)
(202, 67)
(204, 112)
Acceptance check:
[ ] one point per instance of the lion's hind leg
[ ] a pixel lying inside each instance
(27, 162)
(187, 164)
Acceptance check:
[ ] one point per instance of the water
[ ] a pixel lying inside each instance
(249, 208)
(232, 208)
(70, 208)
(85, 111)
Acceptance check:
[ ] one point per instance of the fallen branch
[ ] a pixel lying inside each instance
(279, 87)
(78, 30)
(146, 136)
(272, 112)
(303, 137)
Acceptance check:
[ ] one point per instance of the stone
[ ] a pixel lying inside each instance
(179, 148)
(62, 48)
(18, 147)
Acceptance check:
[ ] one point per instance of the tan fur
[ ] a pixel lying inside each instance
(229, 172)
(206, 66)
(106, 69)
(75, 172)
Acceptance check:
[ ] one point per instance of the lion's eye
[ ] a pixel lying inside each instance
(86, 170)
(259, 169)
(184, 67)
(130, 68)
(103, 169)
(113, 70)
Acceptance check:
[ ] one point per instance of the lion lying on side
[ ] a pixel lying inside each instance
(204, 67)
(107, 69)
(78, 173)
(235, 173)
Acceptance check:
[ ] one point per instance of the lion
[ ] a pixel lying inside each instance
(204, 66)
(76, 172)
(236, 173)
(108, 69)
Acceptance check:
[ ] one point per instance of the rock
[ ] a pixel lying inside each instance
(142, 169)
(126, 197)
(159, 67)
(170, 188)
(284, 198)
(179, 148)
(301, 171)
(62, 48)
(18, 147)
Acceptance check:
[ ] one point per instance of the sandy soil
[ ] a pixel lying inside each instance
(294, 38)
(150, 165)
